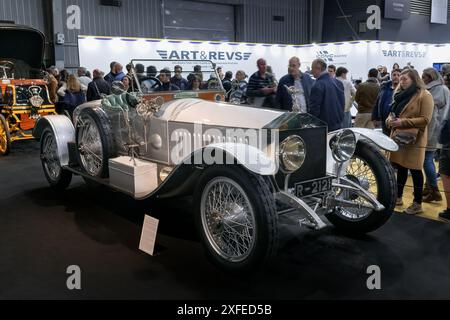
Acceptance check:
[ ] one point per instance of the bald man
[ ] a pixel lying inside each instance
(301, 81)
(327, 101)
(261, 87)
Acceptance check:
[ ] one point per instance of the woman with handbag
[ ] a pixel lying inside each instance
(412, 110)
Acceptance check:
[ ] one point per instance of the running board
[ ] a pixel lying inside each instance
(87, 176)
(313, 219)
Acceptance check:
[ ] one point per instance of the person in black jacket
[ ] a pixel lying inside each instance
(178, 79)
(383, 106)
(227, 84)
(97, 87)
(164, 77)
(327, 99)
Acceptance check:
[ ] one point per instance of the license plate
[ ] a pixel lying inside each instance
(312, 187)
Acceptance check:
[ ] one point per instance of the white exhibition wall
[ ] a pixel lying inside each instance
(358, 56)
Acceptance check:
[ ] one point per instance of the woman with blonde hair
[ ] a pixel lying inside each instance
(435, 85)
(411, 112)
(73, 82)
(74, 95)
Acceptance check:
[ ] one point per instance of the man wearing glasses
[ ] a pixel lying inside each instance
(178, 79)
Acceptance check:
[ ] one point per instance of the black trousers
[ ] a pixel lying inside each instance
(417, 176)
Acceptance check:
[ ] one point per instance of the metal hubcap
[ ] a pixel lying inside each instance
(228, 219)
(90, 146)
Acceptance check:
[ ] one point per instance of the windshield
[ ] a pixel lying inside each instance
(174, 75)
(17, 69)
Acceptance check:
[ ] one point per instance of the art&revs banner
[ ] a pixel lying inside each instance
(358, 56)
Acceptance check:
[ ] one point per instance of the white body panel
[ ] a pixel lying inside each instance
(217, 114)
(248, 156)
(377, 137)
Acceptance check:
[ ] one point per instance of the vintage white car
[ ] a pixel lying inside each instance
(244, 166)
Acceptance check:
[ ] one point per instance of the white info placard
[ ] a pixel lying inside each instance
(148, 236)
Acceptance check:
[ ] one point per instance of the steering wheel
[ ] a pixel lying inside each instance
(7, 65)
(157, 84)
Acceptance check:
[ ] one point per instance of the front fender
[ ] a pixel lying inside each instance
(63, 130)
(374, 136)
(183, 177)
(253, 159)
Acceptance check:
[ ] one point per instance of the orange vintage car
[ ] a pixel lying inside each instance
(24, 94)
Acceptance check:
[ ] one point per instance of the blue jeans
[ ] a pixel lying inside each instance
(430, 169)
(347, 122)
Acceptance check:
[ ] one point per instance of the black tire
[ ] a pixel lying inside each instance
(103, 125)
(6, 144)
(59, 181)
(265, 218)
(387, 193)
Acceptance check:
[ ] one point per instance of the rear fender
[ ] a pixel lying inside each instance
(63, 130)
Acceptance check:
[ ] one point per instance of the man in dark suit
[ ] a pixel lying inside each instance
(327, 99)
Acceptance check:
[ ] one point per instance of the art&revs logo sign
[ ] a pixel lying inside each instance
(204, 55)
(404, 54)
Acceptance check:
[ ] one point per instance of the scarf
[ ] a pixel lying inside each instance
(402, 98)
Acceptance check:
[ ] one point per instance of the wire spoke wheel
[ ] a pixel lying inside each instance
(228, 219)
(90, 146)
(56, 175)
(5, 139)
(359, 172)
(370, 170)
(50, 157)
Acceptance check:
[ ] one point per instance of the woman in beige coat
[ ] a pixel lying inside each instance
(412, 108)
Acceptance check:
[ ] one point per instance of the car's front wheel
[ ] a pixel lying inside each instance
(369, 169)
(236, 217)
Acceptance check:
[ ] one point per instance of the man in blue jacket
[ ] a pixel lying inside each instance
(301, 81)
(383, 106)
(327, 100)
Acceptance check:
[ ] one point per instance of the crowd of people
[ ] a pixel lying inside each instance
(396, 102)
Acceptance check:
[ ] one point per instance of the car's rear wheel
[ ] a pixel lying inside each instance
(5, 137)
(370, 169)
(57, 177)
(94, 142)
(236, 217)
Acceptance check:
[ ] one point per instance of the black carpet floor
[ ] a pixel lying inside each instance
(43, 232)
